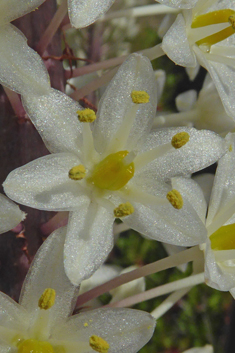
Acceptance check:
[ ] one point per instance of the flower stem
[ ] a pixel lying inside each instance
(52, 28)
(161, 290)
(139, 11)
(169, 302)
(163, 264)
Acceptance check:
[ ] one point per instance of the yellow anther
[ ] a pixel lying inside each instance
(78, 172)
(85, 324)
(112, 173)
(230, 148)
(86, 115)
(223, 238)
(180, 139)
(98, 344)
(47, 299)
(123, 210)
(139, 97)
(34, 346)
(175, 198)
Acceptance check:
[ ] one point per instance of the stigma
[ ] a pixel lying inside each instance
(35, 346)
(213, 18)
(223, 238)
(113, 172)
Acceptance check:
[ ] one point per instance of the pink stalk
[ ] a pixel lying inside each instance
(59, 220)
(161, 290)
(16, 104)
(163, 264)
(92, 86)
(52, 28)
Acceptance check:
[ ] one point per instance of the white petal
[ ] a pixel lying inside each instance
(205, 181)
(47, 271)
(205, 349)
(44, 183)
(223, 76)
(219, 275)
(82, 13)
(203, 149)
(12, 9)
(22, 69)
(180, 4)
(163, 222)
(223, 191)
(54, 116)
(135, 73)
(10, 214)
(176, 46)
(185, 101)
(12, 315)
(89, 240)
(125, 330)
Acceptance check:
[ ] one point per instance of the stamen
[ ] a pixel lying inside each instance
(86, 116)
(139, 97)
(78, 172)
(175, 198)
(47, 299)
(180, 139)
(98, 344)
(123, 210)
(216, 37)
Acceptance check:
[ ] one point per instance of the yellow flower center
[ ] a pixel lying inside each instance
(35, 346)
(213, 18)
(223, 238)
(113, 172)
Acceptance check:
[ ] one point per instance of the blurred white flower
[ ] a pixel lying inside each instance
(10, 214)
(206, 349)
(204, 112)
(41, 322)
(113, 168)
(205, 34)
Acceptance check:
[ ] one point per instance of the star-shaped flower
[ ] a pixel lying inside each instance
(113, 167)
(205, 34)
(10, 214)
(41, 322)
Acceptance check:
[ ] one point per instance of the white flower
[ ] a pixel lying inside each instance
(41, 322)
(82, 13)
(122, 168)
(204, 112)
(206, 349)
(205, 34)
(10, 214)
(21, 68)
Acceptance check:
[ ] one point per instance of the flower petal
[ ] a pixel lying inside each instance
(54, 116)
(47, 271)
(163, 222)
(180, 4)
(176, 46)
(125, 330)
(116, 105)
(44, 183)
(22, 69)
(89, 240)
(203, 149)
(223, 191)
(12, 9)
(82, 13)
(10, 214)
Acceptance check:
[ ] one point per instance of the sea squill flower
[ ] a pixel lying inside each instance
(41, 322)
(205, 34)
(10, 214)
(113, 167)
